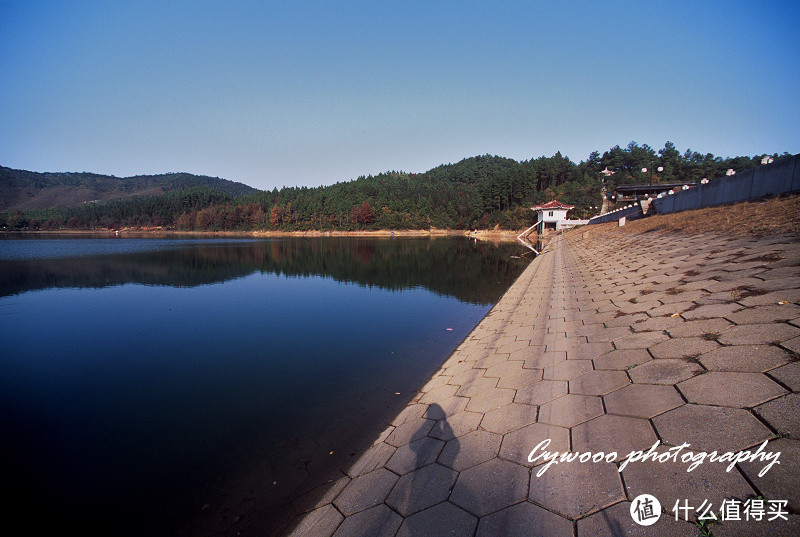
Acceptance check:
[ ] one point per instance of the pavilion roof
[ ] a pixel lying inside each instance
(553, 204)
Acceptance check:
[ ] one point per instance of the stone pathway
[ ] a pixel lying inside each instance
(606, 344)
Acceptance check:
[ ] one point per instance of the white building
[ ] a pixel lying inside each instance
(553, 216)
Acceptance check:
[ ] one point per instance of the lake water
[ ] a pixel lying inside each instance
(191, 386)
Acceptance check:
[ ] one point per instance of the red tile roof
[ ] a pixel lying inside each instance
(552, 205)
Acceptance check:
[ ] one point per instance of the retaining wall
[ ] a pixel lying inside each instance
(780, 177)
(630, 213)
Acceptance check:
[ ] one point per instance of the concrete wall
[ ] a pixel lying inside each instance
(780, 177)
(630, 213)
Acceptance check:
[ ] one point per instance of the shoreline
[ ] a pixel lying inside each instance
(495, 235)
(572, 321)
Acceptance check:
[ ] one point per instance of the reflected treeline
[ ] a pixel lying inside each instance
(472, 271)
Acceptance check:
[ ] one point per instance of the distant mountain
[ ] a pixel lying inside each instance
(23, 190)
(484, 192)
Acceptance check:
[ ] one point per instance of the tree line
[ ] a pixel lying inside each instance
(364, 261)
(478, 192)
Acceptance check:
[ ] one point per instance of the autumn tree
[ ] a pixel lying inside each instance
(277, 215)
(362, 214)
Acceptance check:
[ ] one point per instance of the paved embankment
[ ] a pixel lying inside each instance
(606, 344)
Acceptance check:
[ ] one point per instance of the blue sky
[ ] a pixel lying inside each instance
(310, 93)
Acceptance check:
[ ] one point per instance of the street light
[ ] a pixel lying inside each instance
(659, 169)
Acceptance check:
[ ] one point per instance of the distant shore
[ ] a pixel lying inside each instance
(496, 235)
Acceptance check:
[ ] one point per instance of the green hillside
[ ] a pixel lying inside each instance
(23, 190)
(478, 192)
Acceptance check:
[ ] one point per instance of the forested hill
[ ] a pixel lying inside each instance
(24, 190)
(477, 192)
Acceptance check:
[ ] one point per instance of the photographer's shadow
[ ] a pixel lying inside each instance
(421, 495)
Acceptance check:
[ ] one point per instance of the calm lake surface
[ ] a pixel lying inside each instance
(191, 386)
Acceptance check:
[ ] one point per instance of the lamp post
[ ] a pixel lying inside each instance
(659, 169)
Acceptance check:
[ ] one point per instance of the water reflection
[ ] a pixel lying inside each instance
(139, 386)
(447, 267)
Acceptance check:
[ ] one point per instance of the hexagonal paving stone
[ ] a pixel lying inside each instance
(514, 346)
(783, 414)
(789, 284)
(753, 358)
(711, 310)
(699, 328)
(379, 521)
(409, 413)
(529, 353)
(609, 433)
(611, 333)
(493, 360)
(672, 309)
(589, 351)
(669, 480)
(502, 369)
(410, 431)
(598, 382)
(566, 344)
(477, 386)
(318, 523)
(683, 296)
(711, 428)
(442, 519)
(490, 399)
(469, 450)
(683, 347)
(457, 367)
(640, 340)
(323, 494)
(520, 379)
(622, 359)
(657, 324)
(784, 295)
(421, 489)
(792, 345)
(456, 425)
(664, 371)
(509, 418)
(728, 388)
(546, 359)
(541, 392)
(517, 445)
(415, 455)
(375, 457)
(490, 486)
(575, 489)
(780, 481)
(788, 374)
(766, 314)
(365, 491)
(497, 342)
(617, 521)
(570, 410)
(437, 394)
(447, 406)
(465, 377)
(568, 370)
(642, 400)
(755, 334)
(620, 323)
(520, 519)
(437, 381)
